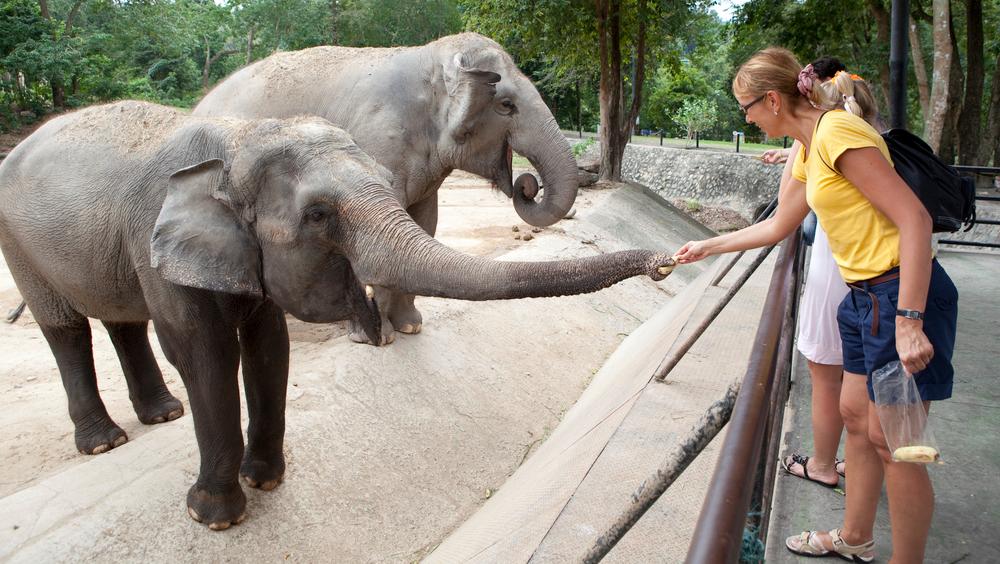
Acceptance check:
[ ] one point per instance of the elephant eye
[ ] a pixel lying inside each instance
(316, 215)
(507, 107)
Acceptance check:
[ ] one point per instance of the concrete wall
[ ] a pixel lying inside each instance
(736, 181)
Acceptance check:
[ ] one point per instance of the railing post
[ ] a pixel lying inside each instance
(718, 535)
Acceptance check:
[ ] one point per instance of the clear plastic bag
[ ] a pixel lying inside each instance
(901, 413)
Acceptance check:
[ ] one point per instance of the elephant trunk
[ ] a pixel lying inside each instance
(546, 148)
(407, 259)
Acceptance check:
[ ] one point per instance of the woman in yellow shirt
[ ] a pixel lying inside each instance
(880, 235)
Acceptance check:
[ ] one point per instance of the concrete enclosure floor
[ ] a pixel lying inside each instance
(388, 449)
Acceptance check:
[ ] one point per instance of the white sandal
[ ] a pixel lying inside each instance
(808, 544)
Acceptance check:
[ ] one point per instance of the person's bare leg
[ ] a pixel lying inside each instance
(911, 498)
(864, 481)
(827, 422)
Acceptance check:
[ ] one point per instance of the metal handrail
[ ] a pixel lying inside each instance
(718, 535)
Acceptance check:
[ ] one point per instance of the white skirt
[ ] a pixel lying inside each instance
(819, 333)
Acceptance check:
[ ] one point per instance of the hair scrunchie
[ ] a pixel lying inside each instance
(807, 77)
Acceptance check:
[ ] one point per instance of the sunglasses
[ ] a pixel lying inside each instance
(747, 107)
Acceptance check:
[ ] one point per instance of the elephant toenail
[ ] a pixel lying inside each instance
(101, 449)
(219, 525)
(194, 514)
(120, 441)
(175, 414)
(240, 519)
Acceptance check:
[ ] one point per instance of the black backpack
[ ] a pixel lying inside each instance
(950, 198)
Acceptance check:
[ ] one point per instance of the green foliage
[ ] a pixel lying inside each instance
(696, 115)
(692, 205)
(582, 146)
(388, 23)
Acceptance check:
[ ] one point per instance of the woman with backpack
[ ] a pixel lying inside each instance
(901, 306)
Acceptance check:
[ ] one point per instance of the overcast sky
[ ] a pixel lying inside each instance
(725, 8)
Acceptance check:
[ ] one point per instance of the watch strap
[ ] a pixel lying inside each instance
(910, 313)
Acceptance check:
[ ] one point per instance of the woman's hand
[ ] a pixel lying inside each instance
(775, 156)
(692, 251)
(915, 350)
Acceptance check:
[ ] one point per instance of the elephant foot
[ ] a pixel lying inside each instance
(99, 435)
(161, 408)
(264, 473)
(406, 319)
(218, 509)
(358, 335)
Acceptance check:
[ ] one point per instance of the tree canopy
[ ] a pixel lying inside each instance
(617, 65)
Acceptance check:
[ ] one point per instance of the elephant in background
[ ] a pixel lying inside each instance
(457, 103)
(213, 228)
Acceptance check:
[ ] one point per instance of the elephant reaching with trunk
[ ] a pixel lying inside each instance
(213, 228)
(457, 103)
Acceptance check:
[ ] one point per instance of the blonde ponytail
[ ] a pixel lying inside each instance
(849, 92)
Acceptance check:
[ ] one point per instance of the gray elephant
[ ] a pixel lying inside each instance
(213, 228)
(457, 103)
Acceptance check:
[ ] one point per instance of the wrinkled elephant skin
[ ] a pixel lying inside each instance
(213, 228)
(457, 103)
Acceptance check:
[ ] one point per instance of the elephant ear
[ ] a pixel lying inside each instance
(199, 241)
(470, 91)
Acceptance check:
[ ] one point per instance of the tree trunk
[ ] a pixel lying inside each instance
(949, 143)
(210, 60)
(250, 45)
(990, 147)
(334, 22)
(610, 94)
(883, 25)
(936, 124)
(638, 71)
(919, 68)
(967, 136)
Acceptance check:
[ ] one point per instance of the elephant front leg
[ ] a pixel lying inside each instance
(152, 401)
(95, 432)
(402, 313)
(356, 332)
(264, 353)
(207, 355)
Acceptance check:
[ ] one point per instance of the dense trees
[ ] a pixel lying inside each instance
(55, 53)
(620, 65)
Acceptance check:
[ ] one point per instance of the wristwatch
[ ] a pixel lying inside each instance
(910, 313)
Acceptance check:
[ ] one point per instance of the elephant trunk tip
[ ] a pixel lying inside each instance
(660, 266)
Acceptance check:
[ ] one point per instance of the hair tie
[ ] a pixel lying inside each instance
(807, 76)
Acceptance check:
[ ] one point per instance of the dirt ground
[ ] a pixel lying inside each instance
(389, 448)
(41, 446)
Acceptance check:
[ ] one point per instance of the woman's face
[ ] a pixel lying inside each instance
(759, 110)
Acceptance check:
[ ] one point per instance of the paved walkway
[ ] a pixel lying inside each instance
(967, 511)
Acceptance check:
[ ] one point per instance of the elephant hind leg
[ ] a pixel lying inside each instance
(95, 431)
(69, 338)
(403, 315)
(152, 401)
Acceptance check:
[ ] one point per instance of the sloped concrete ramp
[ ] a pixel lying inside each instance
(389, 449)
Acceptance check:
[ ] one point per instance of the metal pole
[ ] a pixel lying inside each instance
(898, 42)
(718, 534)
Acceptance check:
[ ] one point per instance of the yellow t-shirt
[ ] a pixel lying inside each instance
(865, 243)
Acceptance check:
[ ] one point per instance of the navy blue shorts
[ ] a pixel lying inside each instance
(864, 353)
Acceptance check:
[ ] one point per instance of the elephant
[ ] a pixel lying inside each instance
(456, 103)
(213, 229)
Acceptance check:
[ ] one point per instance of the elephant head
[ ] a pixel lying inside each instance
(494, 109)
(301, 215)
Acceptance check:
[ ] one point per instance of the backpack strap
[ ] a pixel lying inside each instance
(821, 159)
